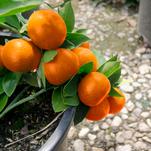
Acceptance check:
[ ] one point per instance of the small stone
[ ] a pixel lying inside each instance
(130, 105)
(104, 126)
(145, 114)
(116, 121)
(141, 50)
(127, 88)
(124, 148)
(137, 112)
(111, 149)
(78, 145)
(143, 127)
(124, 110)
(130, 39)
(83, 132)
(72, 132)
(133, 125)
(143, 69)
(138, 96)
(140, 145)
(123, 72)
(97, 149)
(124, 116)
(146, 139)
(91, 137)
(149, 122)
(119, 137)
(121, 35)
(96, 128)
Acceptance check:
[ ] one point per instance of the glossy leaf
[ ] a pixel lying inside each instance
(1, 87)
(13, 21)
(31, 79)
(113, 93)
(49, 55)
(86, 68)
(81, 31)
(71, 100)
(68, 15)
(57, 100)
(80, 114)
(70, 89)
(3, 101)
(12, 7)
(74, 39)
(114, 78)
(10, 82)
(109, 68)
(99, 56)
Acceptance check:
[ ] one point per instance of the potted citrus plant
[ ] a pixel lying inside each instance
(46, 63)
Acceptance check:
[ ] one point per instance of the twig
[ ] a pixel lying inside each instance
(31, 135)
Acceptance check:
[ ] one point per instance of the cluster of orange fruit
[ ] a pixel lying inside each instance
(47, 31)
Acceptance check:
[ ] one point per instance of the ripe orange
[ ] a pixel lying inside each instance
(46, 29)
(98, 112)
(85, 55)
(1, 63)
(64, 65)
(20, 55)
(85, 45)
(116, 103)
(93, 88)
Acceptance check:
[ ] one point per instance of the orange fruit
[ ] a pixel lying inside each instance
(1, 63)
(85, 45)
(46, 29)
(116, 103)
(99, 111)
(20, 55)
(64, 65)
(93, 88)
(85, 55)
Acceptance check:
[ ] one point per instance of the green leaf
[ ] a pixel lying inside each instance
(3, 101)
(70, 89)
(115, 77)
(109, 68)
(99, 56)
(74, 40)
(81, 31)
(13, 21)
(114, 93)
(68, 15)
(49, 55)
(1, 87)
(80, 114)
(31, 79)
(57, 100)
(41, 74)
(71, 100)
(10, 82)
(12, 7)
(86, 68)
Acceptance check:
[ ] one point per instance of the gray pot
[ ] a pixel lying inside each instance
(57, 141)
(144, 21)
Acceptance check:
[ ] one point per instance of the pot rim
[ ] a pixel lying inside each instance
(56, 139)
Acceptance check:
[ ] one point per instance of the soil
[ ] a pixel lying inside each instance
(25, 120)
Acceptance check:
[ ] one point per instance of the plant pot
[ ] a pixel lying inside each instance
(144, 22)
(57, 141)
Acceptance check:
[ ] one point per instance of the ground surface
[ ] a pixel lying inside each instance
(113, 30)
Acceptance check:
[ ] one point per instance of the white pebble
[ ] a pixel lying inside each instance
(116, 121)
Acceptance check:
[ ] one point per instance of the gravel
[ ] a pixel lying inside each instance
(113, 31)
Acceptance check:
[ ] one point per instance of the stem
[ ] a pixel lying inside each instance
(21, 102)
(3, 25)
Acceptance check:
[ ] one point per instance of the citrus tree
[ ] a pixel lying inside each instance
(46, 52)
